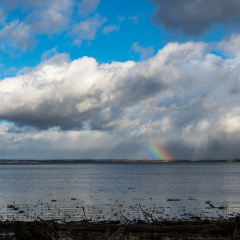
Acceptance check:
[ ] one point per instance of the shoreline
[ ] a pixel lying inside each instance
(104, 161)
(106, 230)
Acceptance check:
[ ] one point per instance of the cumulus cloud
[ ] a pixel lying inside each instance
(40, 17)
(143, 52)
(194, 17)
(87, 29)
(230, 45)
(52, 18)
(110, 28)
(48, 54)
(48, 17)
(16, 34)
(87, 7)
(24, 4)
(182, 98)
(43, 16)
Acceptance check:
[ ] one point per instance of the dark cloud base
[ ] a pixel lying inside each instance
(194, 17)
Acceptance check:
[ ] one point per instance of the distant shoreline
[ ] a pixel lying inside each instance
(92, 161)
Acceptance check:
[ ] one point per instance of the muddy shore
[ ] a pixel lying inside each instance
(130, 230)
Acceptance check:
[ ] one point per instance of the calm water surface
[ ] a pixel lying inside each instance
(110, 191)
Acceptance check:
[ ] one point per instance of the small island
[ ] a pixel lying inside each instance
(234, 160)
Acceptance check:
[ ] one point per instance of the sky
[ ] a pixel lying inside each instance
(129, 79)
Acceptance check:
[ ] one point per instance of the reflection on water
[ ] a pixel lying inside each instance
(119, 190)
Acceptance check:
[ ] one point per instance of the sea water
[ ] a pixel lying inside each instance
(118, 191)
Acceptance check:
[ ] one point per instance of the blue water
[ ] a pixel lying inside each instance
(104, 191)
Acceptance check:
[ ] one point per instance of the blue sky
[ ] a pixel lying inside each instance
(103, 79)
(118, 29)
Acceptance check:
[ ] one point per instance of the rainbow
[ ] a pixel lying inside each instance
(157, 153)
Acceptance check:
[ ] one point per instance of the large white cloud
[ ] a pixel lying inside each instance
(184, 98)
